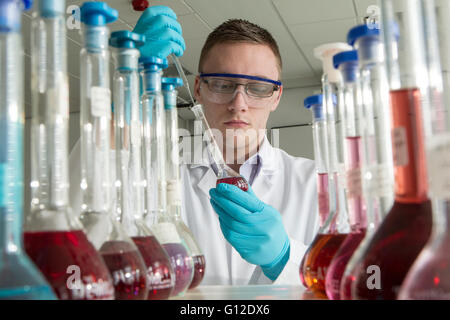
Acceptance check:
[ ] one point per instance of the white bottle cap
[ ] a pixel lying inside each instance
(325, 53)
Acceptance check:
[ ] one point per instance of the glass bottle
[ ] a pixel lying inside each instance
(314, 265)
(429, 276)
(329, 238)
(347, 63)
(98, 216)
(405, 230)
(377, 175)
(19, 277)
(154, 128)
(53, 238)
(170, 93)
(128, 140)
(334, 106)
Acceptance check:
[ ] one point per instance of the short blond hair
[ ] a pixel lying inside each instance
(239, 30)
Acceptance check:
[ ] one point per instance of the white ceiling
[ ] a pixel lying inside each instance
(297, 25)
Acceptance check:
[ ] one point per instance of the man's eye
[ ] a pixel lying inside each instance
(222, 85)
(261, 89)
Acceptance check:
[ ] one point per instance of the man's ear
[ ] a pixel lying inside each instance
(197, 89)
(277, 101)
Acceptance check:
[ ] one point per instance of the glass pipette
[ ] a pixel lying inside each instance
(224, 173)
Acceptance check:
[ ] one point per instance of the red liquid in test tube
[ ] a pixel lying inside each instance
(236, 181)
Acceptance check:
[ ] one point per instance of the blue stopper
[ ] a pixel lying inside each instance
(153, 63)
(315, 102)
(51, 8)
(97, 13)
(126, 39)
(362, 31)
(169, 84)
(11, 14)
(168, 88)
(348, 60)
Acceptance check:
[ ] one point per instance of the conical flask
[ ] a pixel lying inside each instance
(170, 93)
(98, 216)
(54, 239)
(154, 128)
(128, 141)
(314, 265)
(19, 277)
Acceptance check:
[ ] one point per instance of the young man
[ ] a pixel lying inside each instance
(258, 236)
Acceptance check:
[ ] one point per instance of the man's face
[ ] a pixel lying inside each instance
(240, 116)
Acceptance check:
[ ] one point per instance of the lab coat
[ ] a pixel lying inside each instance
(285, 182)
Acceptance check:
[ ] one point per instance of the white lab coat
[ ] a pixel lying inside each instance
(285, 182)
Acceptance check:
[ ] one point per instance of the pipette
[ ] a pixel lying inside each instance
(224, 173)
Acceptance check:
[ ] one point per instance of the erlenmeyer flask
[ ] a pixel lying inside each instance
(170, 93)
(329, 238)
(154, 127)
(429, 276)
(347, 63)
(100, 222)
(19, 277)
(377, 174)
(54, 239)
(128, 136)
(407, 227)
(314, 265)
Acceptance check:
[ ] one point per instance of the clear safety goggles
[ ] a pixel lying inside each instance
(222, 88)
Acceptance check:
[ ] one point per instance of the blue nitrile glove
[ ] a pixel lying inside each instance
(162, 33)
(252, 227)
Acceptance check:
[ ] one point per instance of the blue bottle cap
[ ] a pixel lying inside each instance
(362, 31)
(349, 61)
(51, 8)
(169, 84)
(315, 102)
(11, 14)
(97, 13)
(126, 39)
(153, 63)
(345, 56)
(27, 4)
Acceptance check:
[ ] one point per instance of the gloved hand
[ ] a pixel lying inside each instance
(162, 32)
(252, 227)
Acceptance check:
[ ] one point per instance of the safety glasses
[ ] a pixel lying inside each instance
(223, 87)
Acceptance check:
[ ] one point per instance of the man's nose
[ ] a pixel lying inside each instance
(239, 100)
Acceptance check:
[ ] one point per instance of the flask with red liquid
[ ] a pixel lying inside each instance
(100, 219)
(155, 161)
(347, 63)
(19, 277)
(317, 258)
(53, 238)
(429, 276)
(377, 163)
(170, 94)
(334, 231)
(407, 227)
(129, 182)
